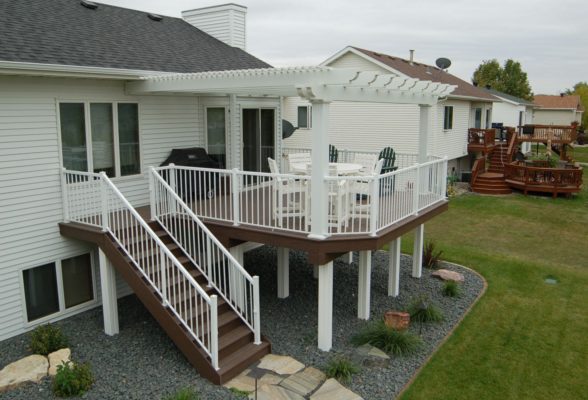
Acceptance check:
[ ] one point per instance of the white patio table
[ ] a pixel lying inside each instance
(342, 168)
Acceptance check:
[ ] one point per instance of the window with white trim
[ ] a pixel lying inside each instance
(99, 136)
(305, 117)
(448, 118)
(58, 286)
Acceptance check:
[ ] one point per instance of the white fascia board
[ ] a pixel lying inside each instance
(210, 9)
(36, 69)
(471, 98)
(358, 53)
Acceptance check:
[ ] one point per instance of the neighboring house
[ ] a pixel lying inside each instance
(370, 127)
(557, 110)
(92, 96)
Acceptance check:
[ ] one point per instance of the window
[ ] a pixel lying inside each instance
(58, 286)
(478, 118)
(100, 137)
(305, 117)
(448, 118)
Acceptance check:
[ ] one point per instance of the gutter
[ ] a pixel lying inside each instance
(37, 69)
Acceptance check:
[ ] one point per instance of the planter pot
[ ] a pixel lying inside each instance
(397, 320)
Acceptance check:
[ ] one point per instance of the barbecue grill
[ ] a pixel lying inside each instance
(192, 184)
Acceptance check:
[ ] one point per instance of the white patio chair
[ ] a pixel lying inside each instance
(367, 161)
(338, 201)
(299, 158)
(362, 190)
(288, 196)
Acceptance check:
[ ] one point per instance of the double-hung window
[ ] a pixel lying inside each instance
(100, 136)
(304, 117)
(448, 118)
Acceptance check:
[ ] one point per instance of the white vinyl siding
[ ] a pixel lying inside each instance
(353, 61)
(226, 23)
(30, 186)
(555, 117)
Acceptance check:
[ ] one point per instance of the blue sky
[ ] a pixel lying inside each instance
(549, 38)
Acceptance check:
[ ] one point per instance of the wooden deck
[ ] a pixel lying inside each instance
(257, 223)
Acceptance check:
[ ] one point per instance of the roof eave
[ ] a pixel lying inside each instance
(78, 71)
(472, 98)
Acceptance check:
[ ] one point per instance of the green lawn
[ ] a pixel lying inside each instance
(524, 339)
(581, 154)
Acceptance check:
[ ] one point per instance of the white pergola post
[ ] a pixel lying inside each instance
(109, 298)
(320, 168)
(417, 254)
(424, 128)
(364, 284)
(325, 306)
(234, 137)
(283, 272)
(394, 267)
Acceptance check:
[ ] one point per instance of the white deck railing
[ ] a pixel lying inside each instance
(282, 201)
(93, 199)
(239, 289)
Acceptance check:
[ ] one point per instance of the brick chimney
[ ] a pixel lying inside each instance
(226, 22)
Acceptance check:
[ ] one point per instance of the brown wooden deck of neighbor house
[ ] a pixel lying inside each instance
(320, 251)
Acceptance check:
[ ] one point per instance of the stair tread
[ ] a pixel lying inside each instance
(233, 336)
(250, 350)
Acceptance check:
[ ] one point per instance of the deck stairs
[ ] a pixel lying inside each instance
(152, 270)
(492, 180)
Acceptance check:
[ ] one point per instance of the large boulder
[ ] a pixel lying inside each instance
(29, 369)
(57, 358)
(447, 275)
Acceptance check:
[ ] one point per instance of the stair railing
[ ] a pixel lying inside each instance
(223, 272)
(478, 168)
(93, 199)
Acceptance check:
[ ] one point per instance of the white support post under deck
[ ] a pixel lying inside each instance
(283, 272)
(325, 306)
(394, 267)
(364, 284)
(320, 169)
(417, 254)
(109, 298)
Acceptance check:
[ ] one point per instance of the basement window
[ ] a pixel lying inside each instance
(448, 118)
(57, 287)
(305, 117)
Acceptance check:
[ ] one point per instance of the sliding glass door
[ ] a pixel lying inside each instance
(259, 136)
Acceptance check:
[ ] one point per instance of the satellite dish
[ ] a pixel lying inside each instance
(443, 63)
(287, 129)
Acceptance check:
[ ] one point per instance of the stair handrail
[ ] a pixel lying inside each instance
(241, 292)
(511, 146)
(479, 164)
(113, 221)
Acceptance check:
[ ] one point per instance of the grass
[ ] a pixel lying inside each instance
(341, 369)
(451, 289)
(387, 339)
(524, 339)
(580, 154)
(186, 393)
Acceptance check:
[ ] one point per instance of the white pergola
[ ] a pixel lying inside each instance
(320, 86)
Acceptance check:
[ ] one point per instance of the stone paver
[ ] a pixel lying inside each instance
(247, 383)
(57, 358)
(304, 382)
(282, 365)
(446, 275)
(273, 392)
(333, 390)
(32, 368)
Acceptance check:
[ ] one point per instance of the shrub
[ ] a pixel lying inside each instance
(46, 339)
(387, 339)
(184, 394)
(450, 289)
(423, 310)
(341, 369)
(72, 379)
(240, 393)
(431, 257)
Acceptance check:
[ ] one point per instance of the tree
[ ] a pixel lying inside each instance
(581, 89)
(510, 79)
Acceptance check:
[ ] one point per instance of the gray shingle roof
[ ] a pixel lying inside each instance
(510, 97)
(66, 33)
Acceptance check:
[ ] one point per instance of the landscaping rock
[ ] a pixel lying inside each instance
(369, 356)
(57, 358)
(29, 369)
(282, 365)
(446, 275)
(304, 382)
(273, 392)
(333, 390)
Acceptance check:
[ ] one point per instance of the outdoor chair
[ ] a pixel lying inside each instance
(367, 161)
(338, 207)
(333, 153)
(287, 195)
(389, 156)
(299, 158)
(362, 190)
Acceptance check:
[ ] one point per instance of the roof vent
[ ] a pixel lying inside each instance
(89, 4)
(155, 17)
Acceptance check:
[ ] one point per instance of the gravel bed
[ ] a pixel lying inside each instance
(142, 363)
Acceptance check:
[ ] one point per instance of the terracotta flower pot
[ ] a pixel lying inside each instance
(397, 320)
